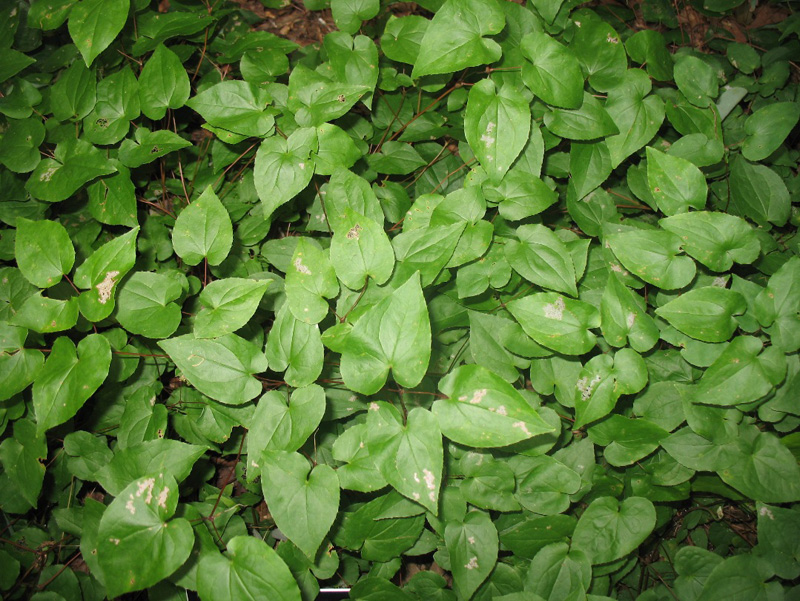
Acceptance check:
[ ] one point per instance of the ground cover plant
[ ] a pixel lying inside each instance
(472, 300)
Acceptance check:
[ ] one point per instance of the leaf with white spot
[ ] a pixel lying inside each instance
(483, 410)
(310, 279)
(360, 249)
(138, 543)
(408, 455)
(472, 545)
(497, 124)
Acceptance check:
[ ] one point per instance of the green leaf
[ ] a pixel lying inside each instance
(69, 378)
(12, 63)
(490, 339)
(408, 455)
(250, 569)
(76, 162)
(557, 322)
(483, 410)
(349, 14)
(145, 305)
(283, 168)
(74, 95)
(637, 115)
(49, 14)
(44, 251)
(296, 347)
(203, 230)
(603, 379)
(767, 128)
(45, 315)
(706, 313)
(393, 334)
(675, 183)
(93, 25)
(472, 544)
(359, 471)
(653, 255)
(149, 146)
(739, 577)
(112, 200)
(303, 501)
(624, 319)
(742, 373)
(553, 74)
(609, 530)
(283, 424)
(18, 366)
(756, 192)
(545, 484)
(117, 105)
(164, 84)
(221, 368)
(316, 99)
(715, 239)
(648, 47)
(426, 250)
(455, 38)
(346, 190)
(542, 258)
(402, 37)
(597, 46)
(360, 249)
(587, 122)
(19, 146)
(155, 28)
(139, 545)
(696, 79)
(102, 271)
(558, 572)
(497, 124)
(778, 305)
(228, 304)
(626, 440)
(21, 456)
(235, 106)
(337, 150)
(309, 281)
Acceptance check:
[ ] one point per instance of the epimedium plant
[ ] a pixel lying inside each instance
(477, 301)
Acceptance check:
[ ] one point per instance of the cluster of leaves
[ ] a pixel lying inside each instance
(508, 292)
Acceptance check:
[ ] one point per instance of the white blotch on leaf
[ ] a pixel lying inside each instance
(45, 177)
(472, 563)
(611, 39)
(555, 310)
(586, 386)
(130, 506)
(298, 265)
(766, 511)
(353, 233)
(719, 282)
(146, 486)
(373, 406)
(522, 426)
(162, 497)
(105, 287)
(477, 396)
(631, 317)
(471, 540)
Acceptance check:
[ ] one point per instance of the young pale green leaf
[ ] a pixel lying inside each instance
(303, 501)
(696, 79)
(249, 569)
(557, 322)
(282, 423)
(164, 84)
(93, 25)
(653, 255)
(221, 368)
(19, 146)
(587, 122)
(203, 230)
(741, 374)
(102, 271)
(497, 124)
(69, 377)
(283, 168)
(360, 249)
(553, 74)
(145, 305)
(296, 347)
(309, 281)
(603, 379)
(675, 183)
(76, 162)
(767, 128)
(483, 410)
(408, 455)
(455, 38)
(637, 114)
(624, 319)
(139, 545)
(161, 455)
(149, 146)
(778, 306)
(715, 239)
(542, 258)
(236, 106)
(228, 304)
(394, 334)
(706, 313)
(472, 544)
(558, 572)
(44, 251)
(609, 530)
(757, 193)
